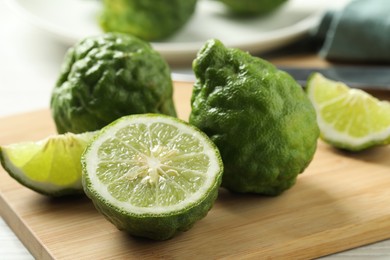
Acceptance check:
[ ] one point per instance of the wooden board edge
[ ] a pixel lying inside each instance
(23, 232)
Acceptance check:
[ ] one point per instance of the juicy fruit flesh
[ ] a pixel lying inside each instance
(353, 109)
(347, 116)
(165, 167)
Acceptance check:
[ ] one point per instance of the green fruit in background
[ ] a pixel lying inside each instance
(106, 77)
(146, 19)
(260, 119)
(252, 7)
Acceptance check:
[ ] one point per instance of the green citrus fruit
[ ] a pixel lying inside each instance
(152, 175)
(253, 7)
(260, 119)
(348, 118)
(146, 19)
(108, 76)
(51, 166)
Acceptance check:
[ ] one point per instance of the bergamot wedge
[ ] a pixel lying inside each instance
(152, 175)
(348, 118)
(260, 119)
(50, 166)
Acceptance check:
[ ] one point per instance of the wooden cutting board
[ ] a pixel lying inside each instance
(341, 201)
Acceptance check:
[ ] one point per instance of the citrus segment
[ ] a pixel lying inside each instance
(348, 118)
(154, 170)
(50, 166)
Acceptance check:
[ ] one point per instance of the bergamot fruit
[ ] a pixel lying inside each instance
(253, 7)
(146, 19)
(50, 166)
(349, 119)
(260, 119)
(109, 76)
(152, 175)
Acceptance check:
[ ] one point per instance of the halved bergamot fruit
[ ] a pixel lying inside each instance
(152, 175)
(348, 118)
(50, 166)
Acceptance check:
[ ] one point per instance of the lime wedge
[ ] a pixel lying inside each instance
(349, 119)
(50, 166)
(152, 175)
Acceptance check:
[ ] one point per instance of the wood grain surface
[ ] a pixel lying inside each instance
(341, 201)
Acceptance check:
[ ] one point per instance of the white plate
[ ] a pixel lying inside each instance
(72, 20)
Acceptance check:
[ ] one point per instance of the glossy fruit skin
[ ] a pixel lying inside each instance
(260, 119)
(153, 227)
(106, 77)
(146, 19)
(252, 7)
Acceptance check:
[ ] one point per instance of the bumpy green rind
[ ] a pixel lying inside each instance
(260, 119)
(154, 227)
(106, 77)
(163, 226)
(146, 19)
(252, 7)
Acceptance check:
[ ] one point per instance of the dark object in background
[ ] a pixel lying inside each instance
(357, 33)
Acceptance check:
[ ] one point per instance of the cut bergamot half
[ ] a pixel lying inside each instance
(348, 118)
(50, 166)
(152, 175)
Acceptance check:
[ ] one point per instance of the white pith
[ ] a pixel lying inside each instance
(341, 137)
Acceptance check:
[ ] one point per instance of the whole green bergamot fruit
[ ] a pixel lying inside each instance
(146, 19)
(253, 7)
(109, 76)
(258, 116)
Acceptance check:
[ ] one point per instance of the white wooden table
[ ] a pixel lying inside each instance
(29, 64)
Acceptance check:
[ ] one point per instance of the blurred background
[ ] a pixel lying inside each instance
(35, 35)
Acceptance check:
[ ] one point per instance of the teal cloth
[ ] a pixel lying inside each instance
(359, 32)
